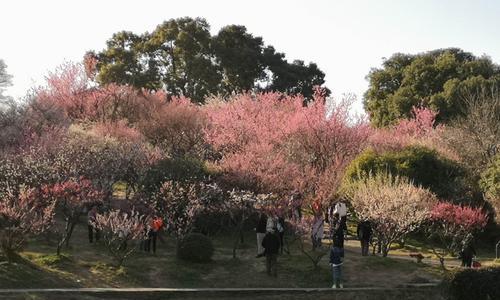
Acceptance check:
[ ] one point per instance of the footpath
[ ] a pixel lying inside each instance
(411, 292)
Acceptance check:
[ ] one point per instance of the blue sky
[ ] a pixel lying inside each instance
(345, 38)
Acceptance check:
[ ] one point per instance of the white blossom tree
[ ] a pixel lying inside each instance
(118, 230)
(393, 205)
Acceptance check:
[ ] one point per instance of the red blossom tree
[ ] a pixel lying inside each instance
(21, 216)
(71, 198)
(451, 225)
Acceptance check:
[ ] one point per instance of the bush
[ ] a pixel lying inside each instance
(475, 284)
(424, 166)
(195, 247)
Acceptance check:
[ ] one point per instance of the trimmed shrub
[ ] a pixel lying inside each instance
(474, 284)
(195, 247)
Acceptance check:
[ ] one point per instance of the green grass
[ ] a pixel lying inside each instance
(90, 265)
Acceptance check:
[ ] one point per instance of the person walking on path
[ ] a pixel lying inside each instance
(271, 245)
(364, 232)
(336, 262)
(261, 232)
(91, 215)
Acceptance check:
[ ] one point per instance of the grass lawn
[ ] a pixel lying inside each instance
(89, 265)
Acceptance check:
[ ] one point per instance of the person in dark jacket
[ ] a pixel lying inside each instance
(468, 252)
(261, 232)
(280, 227)
(91, 224)
(364, 232)
(336, 262)
(337, 231)
(271, 244)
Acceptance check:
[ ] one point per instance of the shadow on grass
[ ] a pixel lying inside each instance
(23, 273)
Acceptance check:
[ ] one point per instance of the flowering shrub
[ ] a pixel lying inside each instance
(118, 230)
(21, 216)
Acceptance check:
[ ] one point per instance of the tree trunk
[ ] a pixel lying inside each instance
(70, 233)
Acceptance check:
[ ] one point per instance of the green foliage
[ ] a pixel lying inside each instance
(490, 179)
(422, 165)
(475, 284)
(172, 169)
(195, 247)
(181, 57)
(490, 185)
(435, 79)
(240, 56)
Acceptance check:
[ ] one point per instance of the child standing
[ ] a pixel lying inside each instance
(336, 261)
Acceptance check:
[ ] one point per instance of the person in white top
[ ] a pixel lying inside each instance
(341, 209)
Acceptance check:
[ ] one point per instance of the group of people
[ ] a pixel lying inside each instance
(270, 238)
(152, 227)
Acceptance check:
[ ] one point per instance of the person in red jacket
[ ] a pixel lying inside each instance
(154, 227)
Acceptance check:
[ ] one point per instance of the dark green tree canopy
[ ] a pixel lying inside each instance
(183, 58)
(436, 79)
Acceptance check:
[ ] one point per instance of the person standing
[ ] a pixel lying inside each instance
(317, 231)
(154, 228)
(261, 232)
(271, 245)
(468, 252)
(91, 215)
(364, 232)
(337, 231)
(336, 262)
(280, 227)
(341, 209)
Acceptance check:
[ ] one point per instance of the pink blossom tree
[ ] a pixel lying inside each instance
(450, 225)
(418, 130)
(272, 143)
(118, 230)
(177, 128)
(21, 216)
(393, 205)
